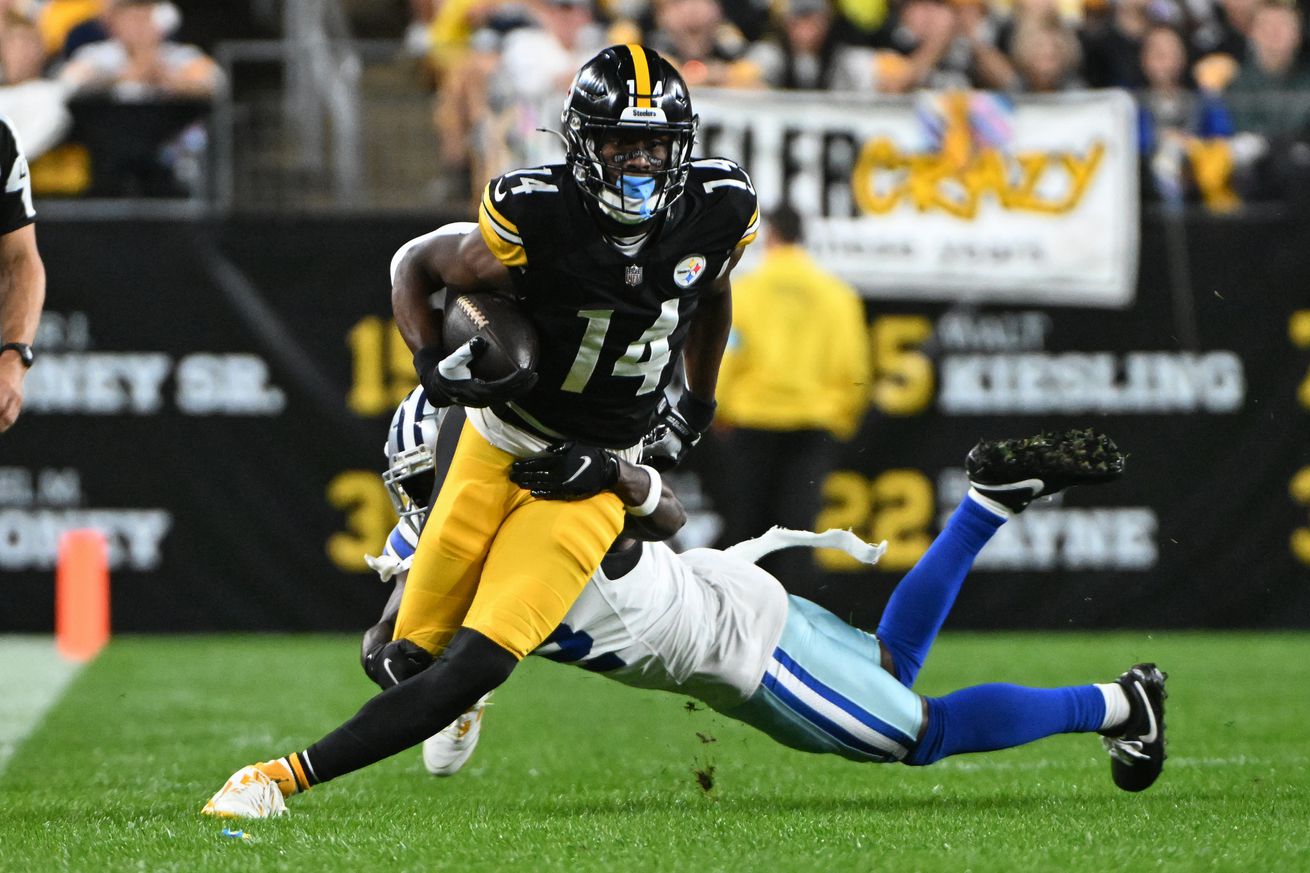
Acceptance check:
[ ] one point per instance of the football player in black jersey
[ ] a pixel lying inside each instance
(620, 257)
(22, 275)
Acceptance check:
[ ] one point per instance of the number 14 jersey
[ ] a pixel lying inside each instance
(611, 324)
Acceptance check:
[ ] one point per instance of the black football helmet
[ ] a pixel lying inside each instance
(627, 90)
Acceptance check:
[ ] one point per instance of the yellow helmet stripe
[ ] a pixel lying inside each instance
(642, 69)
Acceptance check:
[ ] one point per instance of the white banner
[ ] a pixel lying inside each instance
(959, 196)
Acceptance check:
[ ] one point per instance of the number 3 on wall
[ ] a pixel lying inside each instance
(363, 498)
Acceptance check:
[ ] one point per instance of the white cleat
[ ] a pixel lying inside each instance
(249, 793)
(446, 751)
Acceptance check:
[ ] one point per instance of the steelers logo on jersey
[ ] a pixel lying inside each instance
(689, 269)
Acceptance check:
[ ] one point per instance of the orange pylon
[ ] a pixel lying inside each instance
(82, 594)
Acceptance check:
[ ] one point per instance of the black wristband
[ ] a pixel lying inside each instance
(698, 413)
(24, 352)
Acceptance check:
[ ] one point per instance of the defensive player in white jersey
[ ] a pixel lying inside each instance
(713, 625)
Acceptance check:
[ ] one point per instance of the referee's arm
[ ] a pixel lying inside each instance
(22, 275)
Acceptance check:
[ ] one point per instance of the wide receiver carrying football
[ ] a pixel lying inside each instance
(493, 333)
(620, 258)
(712, 625)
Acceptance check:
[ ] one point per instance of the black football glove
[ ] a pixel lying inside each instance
(677, 430)
(568, 471)
(396, 661)
(446, 379)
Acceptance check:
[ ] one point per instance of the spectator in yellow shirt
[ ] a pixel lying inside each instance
(793, 385)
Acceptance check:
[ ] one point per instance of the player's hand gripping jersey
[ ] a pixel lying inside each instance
(615, 322)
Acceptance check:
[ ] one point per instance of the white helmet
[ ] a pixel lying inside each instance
(411, 459)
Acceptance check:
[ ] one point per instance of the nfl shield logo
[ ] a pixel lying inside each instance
(632, 275)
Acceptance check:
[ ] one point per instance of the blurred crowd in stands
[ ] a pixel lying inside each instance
(1222, 86)
(110, 69)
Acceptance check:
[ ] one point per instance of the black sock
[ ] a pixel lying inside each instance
(414, 710)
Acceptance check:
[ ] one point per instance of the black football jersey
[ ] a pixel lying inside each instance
(611, 325)
(16, 201)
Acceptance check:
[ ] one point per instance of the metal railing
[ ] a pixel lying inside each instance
(322, 90)
(305, 120)
(366, 140)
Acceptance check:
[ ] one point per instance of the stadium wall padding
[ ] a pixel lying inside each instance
(215, 397)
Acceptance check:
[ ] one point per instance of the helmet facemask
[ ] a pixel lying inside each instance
(606, 158)
(409, 478)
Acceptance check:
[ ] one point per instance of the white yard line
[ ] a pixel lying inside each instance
(33, 677)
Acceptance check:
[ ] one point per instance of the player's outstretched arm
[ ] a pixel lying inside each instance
(634, 488)
(576, 471)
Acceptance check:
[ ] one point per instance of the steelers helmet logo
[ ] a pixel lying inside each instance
(689, 269)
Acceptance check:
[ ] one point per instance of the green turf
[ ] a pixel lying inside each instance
(577, 773)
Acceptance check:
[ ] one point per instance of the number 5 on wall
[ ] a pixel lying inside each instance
(903, 380)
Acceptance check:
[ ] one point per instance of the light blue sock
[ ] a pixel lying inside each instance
(999, 716)
(924, 598)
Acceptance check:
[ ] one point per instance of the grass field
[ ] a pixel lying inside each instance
(576, 773)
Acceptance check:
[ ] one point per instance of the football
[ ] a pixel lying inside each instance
(511, 339)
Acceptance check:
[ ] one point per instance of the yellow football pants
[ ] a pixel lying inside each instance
(495, 559)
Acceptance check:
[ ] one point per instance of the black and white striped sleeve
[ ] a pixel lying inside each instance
(16, 201)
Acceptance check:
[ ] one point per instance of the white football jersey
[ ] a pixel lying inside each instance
(701, 623)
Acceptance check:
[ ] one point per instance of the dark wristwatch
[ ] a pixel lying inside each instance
(25, 353)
